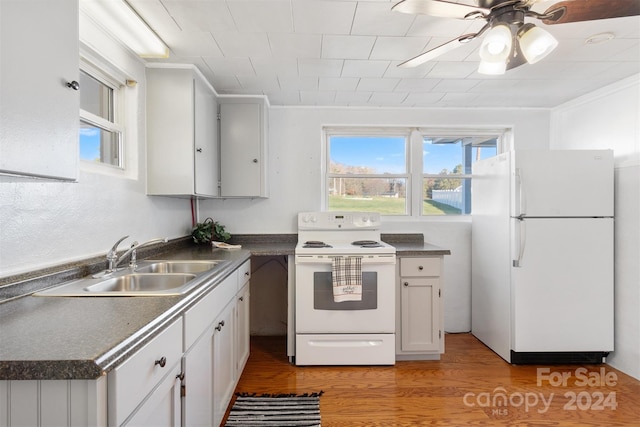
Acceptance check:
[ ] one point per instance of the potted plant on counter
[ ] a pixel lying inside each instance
(209, 231)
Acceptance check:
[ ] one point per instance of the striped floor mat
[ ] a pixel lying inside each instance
(275, 410)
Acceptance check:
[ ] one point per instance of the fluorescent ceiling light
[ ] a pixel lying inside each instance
(117, 17)
(535, 43)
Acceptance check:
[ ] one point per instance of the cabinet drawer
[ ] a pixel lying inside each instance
(425, 266)
(244, 274)
(198, 318)
(132, 381)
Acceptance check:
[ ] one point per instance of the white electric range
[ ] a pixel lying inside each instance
(354, 332)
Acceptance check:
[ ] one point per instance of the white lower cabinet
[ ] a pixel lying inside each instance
(214, 337)
(224, 363)
(197, 405)
(420, 320)
(242, 328)
(144, 387)
(243, 310)
(162, 407)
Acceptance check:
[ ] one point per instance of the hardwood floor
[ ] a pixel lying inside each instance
(470, 385)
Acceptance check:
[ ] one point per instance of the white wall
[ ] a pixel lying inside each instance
(610, 118)
(45, 223)
(295, 160)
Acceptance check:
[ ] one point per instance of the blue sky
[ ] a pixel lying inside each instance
(89, 143)
(387, 154)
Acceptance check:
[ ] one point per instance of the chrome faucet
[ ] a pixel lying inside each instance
(112, 256)
(113, 261)
(133, 251)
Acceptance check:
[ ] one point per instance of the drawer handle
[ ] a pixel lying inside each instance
(420, 268)
(180, 376)
(162, 362)
(406, 283)
(241, 298)
(246, 273)
(220, 325)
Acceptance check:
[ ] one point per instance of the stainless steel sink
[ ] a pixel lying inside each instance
(150, 278)
(193, 267)
(142, 283)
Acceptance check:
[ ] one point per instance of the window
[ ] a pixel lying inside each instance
(368, 173)
(101, 135)
(446, 169)
(403, 171)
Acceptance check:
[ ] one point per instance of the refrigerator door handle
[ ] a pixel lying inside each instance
(521, 242)
(522, 200)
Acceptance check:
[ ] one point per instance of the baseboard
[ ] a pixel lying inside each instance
(528, 358)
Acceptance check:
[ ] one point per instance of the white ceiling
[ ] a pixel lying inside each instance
(345, 52)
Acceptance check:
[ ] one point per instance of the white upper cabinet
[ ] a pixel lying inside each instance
(243, 147)
(182, 148)
(39, 113)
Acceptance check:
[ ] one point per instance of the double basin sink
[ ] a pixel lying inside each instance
(149, 278)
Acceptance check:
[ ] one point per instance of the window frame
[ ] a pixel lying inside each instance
(106, 74)
(414, 151)
(328, 132)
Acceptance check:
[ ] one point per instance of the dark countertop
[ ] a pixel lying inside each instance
(284, 244)
(86, 337)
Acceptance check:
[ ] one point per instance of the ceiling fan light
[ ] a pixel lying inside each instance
(492, 68)
(496, 44)
(535, 43)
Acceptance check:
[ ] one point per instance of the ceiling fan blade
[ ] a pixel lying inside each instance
(439, 8)
(437, 51)
(590, 10)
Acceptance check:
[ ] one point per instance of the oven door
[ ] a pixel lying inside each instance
(318, 313)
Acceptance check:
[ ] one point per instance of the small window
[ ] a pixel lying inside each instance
(101, 135)
(368, 173)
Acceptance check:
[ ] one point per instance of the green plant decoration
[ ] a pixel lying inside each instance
(208, 231)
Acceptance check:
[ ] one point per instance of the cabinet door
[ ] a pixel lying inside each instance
(420, 308)
(242, 329)
(139, 375)
(241, 133)
(39, 114)
(170, 134)
(198, 368)
(206, 130)
(224, 363)
(162, 406)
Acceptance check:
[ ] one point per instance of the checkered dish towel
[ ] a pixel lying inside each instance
(347, 278)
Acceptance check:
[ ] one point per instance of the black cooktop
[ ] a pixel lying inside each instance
(367, 244)
(316, 244)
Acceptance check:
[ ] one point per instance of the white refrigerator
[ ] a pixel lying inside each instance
(542, 255)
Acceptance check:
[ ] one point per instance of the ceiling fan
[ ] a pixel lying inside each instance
(508, 41)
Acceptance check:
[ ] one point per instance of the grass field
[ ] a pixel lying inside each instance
(387, 205)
